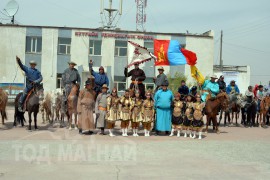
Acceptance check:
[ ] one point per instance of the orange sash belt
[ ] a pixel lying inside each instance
(102, 108)
(138, 82)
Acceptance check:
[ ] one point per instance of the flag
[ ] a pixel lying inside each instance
(196, 74)
(139, 54)
(170, 53)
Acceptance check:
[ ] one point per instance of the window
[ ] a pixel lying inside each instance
(64, 45)
(95, 47)
(120, 48)
(149, 46)
(58, 80)
(149, 86)
(120, 86)
(33, 44)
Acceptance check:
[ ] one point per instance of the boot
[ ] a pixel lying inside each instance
(190, 134)
(145, 132)
(134, 132)
(102, 131)
(148, 133)
(123, 132)
(178, 133)
(185, 134)
(80, 131)
(126, 130)
(172, 132)
(137, 132)
(111, 133)
(200, 135)
(20, 107)
(194, 135)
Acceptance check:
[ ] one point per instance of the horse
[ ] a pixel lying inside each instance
(264, 109)
(18, 116)
(233, 108)
(212, 107)
(3, 104)
(45, 108)
(32, 103)
(72, 105)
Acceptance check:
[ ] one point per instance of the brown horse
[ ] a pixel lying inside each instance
(212, 107)
(264, 108)
(72, 105)
(3, 104)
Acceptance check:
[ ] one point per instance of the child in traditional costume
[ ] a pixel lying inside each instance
(113, 113)
(136, 107)
(197, 123)
(148, 113)
(177, 116)
(125, 112)
(188, 116)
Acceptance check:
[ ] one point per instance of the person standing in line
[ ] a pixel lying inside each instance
(163, 102)
(101, 108)
(113, 113)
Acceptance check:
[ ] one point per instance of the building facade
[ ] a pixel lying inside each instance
(53, 47)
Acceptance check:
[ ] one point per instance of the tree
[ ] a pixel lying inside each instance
(175, 82)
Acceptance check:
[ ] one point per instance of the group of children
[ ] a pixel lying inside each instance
(187, 114)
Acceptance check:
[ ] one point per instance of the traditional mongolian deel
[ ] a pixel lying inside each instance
(85, 108)
(163, 102)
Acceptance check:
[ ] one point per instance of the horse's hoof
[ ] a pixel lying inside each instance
(218, 132)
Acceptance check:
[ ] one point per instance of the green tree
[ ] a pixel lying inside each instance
(175, 82)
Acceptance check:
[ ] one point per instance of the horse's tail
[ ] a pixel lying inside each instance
(4, 114)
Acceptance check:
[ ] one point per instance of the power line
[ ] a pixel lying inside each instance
(247, 48)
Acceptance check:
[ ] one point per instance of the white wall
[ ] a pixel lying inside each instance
(79, 48)
(242, 79)
(12, 43)
(49, 58)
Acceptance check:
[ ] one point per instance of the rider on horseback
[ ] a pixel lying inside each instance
(210, 86)
(69, 77)
(33, 76)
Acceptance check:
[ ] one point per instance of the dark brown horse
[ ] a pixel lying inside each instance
(32, 103)
(3, 104)
(72, 106)
(212, 107)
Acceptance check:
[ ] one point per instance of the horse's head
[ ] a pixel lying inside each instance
(266, 102)
(223, 98)
(39, 90)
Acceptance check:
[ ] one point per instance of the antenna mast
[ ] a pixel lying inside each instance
(108, 15)
(141, 15)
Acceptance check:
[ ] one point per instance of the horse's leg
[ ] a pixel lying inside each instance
(35, 119)
(215, 124)
(30, 120)
(207, 123)
(75, 125)
(15, 118)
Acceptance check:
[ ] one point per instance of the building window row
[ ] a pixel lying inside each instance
(34, 45)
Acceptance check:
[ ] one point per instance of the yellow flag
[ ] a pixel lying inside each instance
(195, 73)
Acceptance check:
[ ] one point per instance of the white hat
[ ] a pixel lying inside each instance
(33, 62)
(214, 76)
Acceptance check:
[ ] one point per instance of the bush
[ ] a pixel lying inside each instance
(175, 82)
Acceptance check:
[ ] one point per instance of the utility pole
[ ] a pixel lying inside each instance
(221, 61)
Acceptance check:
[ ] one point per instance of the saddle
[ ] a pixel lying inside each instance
(27, 98)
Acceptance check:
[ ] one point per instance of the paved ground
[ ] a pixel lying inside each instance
(57, 153)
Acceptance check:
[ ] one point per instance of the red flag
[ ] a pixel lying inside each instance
(190, 56)
(161, 51)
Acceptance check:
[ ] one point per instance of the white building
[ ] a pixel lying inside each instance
(53, 47)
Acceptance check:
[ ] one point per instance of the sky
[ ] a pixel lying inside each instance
(245, 23)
